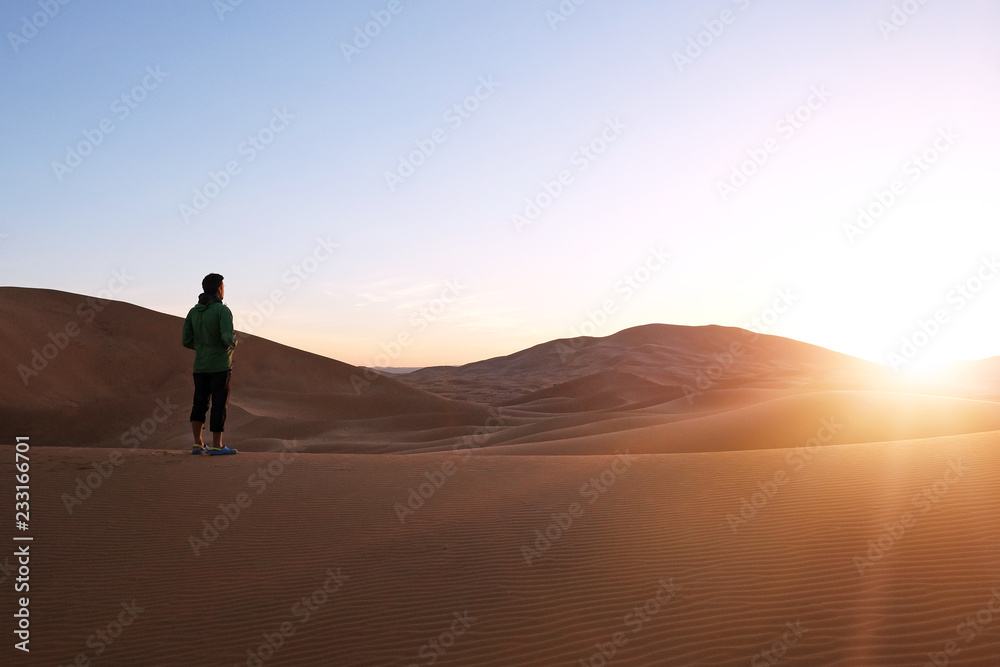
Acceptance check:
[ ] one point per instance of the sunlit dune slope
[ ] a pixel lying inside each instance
(799, 420)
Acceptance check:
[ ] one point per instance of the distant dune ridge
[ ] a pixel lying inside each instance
(659, 387)
(664, 495)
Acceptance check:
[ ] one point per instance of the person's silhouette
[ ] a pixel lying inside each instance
(208, 330)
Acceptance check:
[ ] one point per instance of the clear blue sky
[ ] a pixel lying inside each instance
(432, 266)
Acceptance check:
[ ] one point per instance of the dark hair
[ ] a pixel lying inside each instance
(211, 283)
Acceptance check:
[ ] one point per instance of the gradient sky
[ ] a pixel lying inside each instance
(433, 269)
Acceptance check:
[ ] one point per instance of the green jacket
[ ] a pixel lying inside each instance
(208, 330)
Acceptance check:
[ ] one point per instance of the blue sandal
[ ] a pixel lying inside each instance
(221, 451)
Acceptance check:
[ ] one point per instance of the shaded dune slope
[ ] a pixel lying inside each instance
(126, 363)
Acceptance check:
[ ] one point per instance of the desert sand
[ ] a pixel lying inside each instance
(662, 496)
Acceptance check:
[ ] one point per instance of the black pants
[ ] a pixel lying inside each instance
(216, 387)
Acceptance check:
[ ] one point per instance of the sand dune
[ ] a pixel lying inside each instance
(836, 417)
(125, 362)
(709, 357)
(123, 368)
(600, 391)
(640, 499)
(804, 557)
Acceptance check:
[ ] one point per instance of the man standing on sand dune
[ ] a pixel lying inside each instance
(208, 330)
